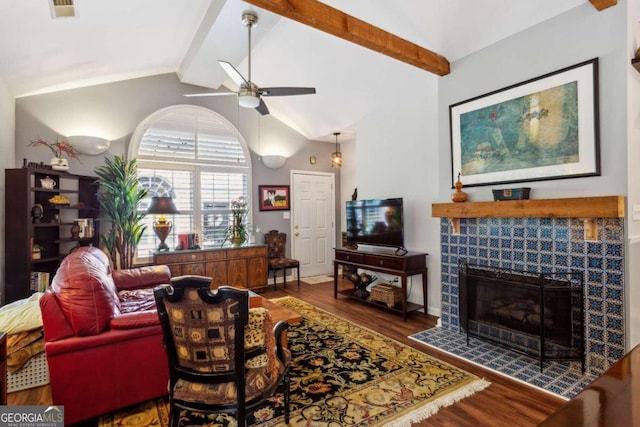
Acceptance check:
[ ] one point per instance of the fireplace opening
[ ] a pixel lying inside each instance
(539, 314)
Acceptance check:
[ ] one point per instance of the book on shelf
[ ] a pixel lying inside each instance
(39, 281)
(86, 227)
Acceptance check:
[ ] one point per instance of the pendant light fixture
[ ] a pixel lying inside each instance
(336, 157)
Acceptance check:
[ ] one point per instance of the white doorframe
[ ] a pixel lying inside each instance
(331, 213)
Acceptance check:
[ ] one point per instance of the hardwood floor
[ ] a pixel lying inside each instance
(504, 403)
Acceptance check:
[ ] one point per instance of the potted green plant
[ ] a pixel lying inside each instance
(238, 230)
(119, 196)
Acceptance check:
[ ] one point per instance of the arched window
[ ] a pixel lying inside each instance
(197, 157)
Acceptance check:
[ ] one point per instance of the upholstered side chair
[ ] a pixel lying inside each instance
(276, 247)
(223, 356)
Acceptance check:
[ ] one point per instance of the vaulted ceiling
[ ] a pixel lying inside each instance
(356, 53)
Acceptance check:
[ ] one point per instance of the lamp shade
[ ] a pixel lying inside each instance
(162, 206)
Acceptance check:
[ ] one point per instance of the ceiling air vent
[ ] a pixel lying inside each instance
(63, 9)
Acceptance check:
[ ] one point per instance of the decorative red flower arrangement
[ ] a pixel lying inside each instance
(57, 148)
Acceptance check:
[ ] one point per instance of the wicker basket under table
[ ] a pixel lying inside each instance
(388, 294)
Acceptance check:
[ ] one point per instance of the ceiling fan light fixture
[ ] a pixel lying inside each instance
(250, 94)
(336, 157)
(248, 100)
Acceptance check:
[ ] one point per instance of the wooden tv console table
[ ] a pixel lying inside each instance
(410, 264)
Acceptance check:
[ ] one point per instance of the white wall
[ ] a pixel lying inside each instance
(632, 295)
(7, 150)
(397, 156)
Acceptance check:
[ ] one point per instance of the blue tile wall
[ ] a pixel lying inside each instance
(547, 245)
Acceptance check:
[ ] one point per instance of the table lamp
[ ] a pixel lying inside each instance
(162, 206)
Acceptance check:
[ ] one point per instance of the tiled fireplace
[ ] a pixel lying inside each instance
(547, 245)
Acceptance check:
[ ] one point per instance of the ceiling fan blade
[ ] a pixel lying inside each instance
(210, 94)
(262, 108)
(233, 74)
(286, 91)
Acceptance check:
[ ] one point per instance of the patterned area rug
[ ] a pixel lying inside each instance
(342, 374)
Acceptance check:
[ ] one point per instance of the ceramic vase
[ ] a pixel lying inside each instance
(237, 241)
(458, 196)
(59, 164)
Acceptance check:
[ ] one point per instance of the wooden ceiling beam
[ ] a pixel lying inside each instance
(330, 20)
(603, 4)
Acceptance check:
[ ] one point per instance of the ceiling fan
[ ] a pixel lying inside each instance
(249, 94)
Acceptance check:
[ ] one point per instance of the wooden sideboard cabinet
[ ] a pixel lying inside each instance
(244, 266)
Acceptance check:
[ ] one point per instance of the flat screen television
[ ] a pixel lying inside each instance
(375, 222)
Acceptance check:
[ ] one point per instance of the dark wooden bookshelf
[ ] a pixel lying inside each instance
(52, 233)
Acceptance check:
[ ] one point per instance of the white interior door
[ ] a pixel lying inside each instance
(313, 221)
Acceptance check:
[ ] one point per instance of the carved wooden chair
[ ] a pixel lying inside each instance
(276, 247)
(223, 356)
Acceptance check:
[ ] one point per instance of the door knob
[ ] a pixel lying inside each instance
(296, 234)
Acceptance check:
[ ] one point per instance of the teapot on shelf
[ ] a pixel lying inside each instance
(48, 183)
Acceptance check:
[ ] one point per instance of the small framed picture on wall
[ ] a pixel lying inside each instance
(273, 197)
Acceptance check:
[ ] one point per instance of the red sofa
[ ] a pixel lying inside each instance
(103, 338)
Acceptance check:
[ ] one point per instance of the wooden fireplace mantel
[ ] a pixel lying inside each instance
(581, 207)
(586, 208)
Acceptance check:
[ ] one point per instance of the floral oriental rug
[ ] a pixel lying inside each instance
(341, 374)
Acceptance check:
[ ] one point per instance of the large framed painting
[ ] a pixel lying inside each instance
(543, 128)
(273, 197)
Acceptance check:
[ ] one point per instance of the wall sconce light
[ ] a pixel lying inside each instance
(336, 157)
(91, 145)
(273, 161)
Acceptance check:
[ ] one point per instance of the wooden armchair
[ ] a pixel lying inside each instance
(276, 247)
(223, 356)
